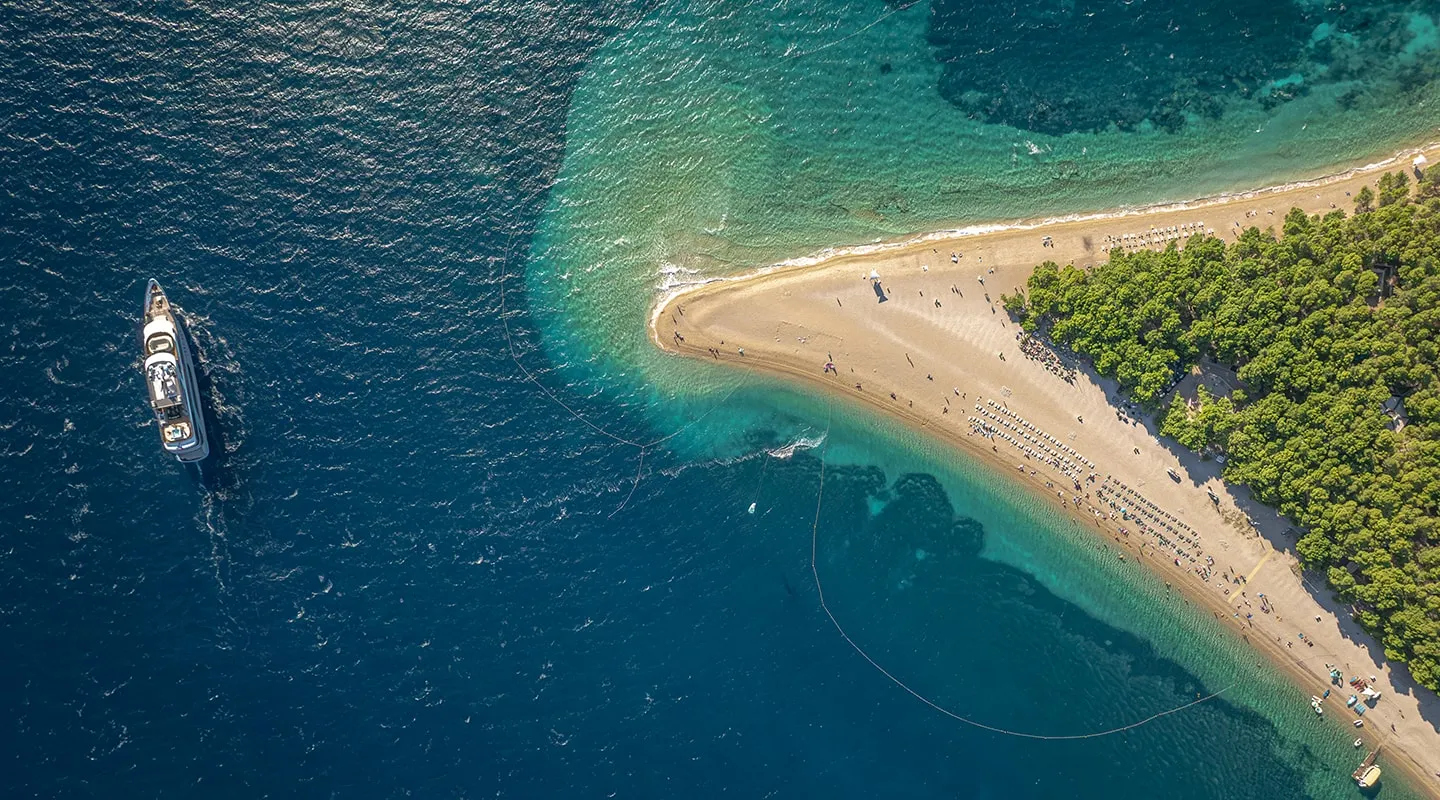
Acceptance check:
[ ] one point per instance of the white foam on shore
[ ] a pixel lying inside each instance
(671, 286)
(673, 276)
(802, 443)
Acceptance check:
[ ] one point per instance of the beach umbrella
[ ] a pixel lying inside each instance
(874, 275)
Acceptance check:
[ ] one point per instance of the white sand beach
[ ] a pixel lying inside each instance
(940, 354)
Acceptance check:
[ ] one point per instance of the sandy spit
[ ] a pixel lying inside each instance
(939, 344)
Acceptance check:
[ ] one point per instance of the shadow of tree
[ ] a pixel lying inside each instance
(1254, 519)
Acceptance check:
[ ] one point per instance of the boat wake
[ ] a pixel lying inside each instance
(218, 370)
(210, 518)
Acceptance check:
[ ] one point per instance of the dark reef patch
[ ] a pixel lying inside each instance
(1087, 65)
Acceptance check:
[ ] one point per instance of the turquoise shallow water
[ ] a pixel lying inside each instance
(406, 570)
(713, 138)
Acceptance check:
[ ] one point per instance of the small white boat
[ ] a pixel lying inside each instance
(752, 509)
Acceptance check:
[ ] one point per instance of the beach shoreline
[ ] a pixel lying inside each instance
(671, 289)
(922, 334)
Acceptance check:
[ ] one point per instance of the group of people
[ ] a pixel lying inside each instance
(1111, 499)
(1152, 520)
(1036, 350)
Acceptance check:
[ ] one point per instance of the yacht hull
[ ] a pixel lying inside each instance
(170, 378)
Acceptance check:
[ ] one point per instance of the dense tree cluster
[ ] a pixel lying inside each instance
(1333, 329)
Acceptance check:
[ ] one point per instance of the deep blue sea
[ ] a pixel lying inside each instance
(416, 243)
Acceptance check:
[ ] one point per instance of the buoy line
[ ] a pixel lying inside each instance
(642, 447)
(853, 34)
(820, 589)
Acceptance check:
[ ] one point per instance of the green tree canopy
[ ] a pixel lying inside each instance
(1334, 331)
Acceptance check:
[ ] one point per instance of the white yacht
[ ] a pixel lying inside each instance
(170, 377)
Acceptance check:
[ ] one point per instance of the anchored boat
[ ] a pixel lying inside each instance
(1367, 774)
(170, 378)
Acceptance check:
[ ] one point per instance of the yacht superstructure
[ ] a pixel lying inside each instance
(170, 379)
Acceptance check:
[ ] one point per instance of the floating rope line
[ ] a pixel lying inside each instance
(638, 468)
(642, 446)
(760, 483)
(820, 589)
(852, 35)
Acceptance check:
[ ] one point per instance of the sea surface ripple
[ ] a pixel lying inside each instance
(410, 570)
